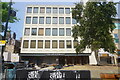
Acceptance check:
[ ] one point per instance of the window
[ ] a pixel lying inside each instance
(55, 20)
(74, 21)
(29, 9)
(28, 20)
(68, 31)
(55, 10)
(68, 21)
(25, 43)
(68, 44)
(67, 10)
(41, 20)
(54, 32)
(42, 9)
(34, 31)
(27, 31)
(35, 10)
(61, 10)
(61, 31)
(54, 44)
(35, 20)
(61, 44)
(48, 20)
(48, 10)
(33, 44)
(40, 43)
(47, 32)
(116, 35)
(61, 20)
(117, 40)
(41, 32)
(47, 43)
(75, 42)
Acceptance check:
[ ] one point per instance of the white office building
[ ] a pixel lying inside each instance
(47, 36)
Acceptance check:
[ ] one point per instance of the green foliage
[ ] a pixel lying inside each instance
(4, 15)
(96, 26)
(5, 6)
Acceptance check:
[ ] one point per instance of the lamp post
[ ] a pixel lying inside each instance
(4, 37)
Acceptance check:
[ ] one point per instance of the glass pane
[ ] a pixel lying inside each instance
(68, 44)
(33, 44)
(34, 31)
(54, 44)
(48, 10)
(61, 44)
(68, 21)
(35, 20)
(61, 20)
(29, 9)
(40, 43)
(68, 31)
(47, 31)
(55, 10)
(54, 32)
(42, 9)
(25, 43)
(27, 31)
(47, 43)
(116, 35)
(61, 31)
(41, 32)
(67, 10)
(55, 20)
(74, 21)
(75, 43)
(48, 20)
(116, 40)
(28, 20)
(41, 20)
(35, 10)
(61, 10)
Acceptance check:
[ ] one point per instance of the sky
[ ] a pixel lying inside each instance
(20, 5)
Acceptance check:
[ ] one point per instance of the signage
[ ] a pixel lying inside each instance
(2, 42)
(105, 55)
(53, 75)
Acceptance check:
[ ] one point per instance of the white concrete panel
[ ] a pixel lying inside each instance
(92, 59)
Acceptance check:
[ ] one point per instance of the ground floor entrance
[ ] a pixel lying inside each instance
(57, 59)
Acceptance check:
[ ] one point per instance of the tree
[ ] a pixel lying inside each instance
(95, 26)
(4, 14)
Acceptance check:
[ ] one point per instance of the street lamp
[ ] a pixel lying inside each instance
(10, 13)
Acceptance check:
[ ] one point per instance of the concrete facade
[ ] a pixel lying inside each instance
(63, 21)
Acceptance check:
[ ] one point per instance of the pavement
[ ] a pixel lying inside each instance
(95, 70)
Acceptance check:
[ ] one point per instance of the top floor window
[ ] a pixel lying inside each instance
(29, 9)
(55, 20)
(74, 21)
(55, 10)
(67, 10)
(35, 20)
(48, 20)
(61, 10)
(27, 31)
(42, 9)
(28, 20)
(34, 31)
(35, 10)
(48, 10)
(68, 21)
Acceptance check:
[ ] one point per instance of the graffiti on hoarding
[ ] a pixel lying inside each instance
(53, 74)
(57, 75)
(33, 75)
